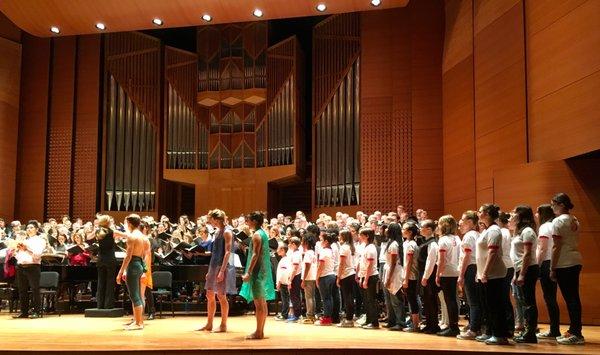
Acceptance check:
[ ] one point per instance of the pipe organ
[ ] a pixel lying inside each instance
(131, 120)
(336, 108)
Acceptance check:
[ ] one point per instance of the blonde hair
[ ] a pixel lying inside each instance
(104, 221)
(447, 225)
(217, 214)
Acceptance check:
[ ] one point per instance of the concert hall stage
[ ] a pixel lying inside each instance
(70, 334)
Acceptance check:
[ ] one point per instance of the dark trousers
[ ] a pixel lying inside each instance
(549, 289)
(295, 295)
(326, 287)
(448, 285)
(370, 300)
(347, 285)
(358, 296)
(284, 292)
(486, 320)
(496, 306)
(28, 276)
(337, 302)
(508, 306)
(149, 297)
(527, 300)
(105, 293)
(568, 281)
(431, 306)
(472, 296)
(411, 297)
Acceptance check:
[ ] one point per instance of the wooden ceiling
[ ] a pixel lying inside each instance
(80, 16)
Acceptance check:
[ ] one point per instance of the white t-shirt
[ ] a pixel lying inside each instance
(326, 260)
(506, 242)
(490, 238)
(410, 247)
(359, 250)
(545, 232)
(382, 255)
(346, 261)
(449, 249)
(567, 229)
(283, 270)
(517, 248)
(296, 260)
(369, 255)
(310, 258)
(469, 244)
(432, 255)
(335, 249)
(392, 249)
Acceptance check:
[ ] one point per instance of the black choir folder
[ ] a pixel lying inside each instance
(75, 249)
(172, 255)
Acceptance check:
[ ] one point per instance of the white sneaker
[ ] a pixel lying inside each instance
(572, 340)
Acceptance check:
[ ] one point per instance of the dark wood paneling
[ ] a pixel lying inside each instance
(60, 131)
(31, 175)
(10, 78)
(85, 163)
(458, 39)
(9, 30)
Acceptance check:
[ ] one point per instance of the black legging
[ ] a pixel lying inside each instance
(430, 300)
(347, 285)
(149, 300)
(473, 299)
(448, 285)
(549, 289)
(411, 297)
(568, 281)
(295, 296)
(370, 299)
(527, 300)
(509, 312)
(105, 292)
(496, 299)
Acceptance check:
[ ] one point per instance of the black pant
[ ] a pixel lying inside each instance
(448, 285)
(347, 285)
(105, 293)
(431, 306)
(149, 300)
(496, 306)
(357, 295)
(370, 299)
(527, 300)
(28, 276)
(411, 297)
(337, 301)
(549, 289)
(295, 295)
(508, 306)
(568, 281)
(473, 298)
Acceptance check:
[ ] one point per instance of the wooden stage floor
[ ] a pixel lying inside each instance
(77, 334)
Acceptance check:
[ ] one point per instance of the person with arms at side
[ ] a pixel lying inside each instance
(258, 277)
(467, 278)
(393, 272)
(566, 263)
(527, 269)
(410, 231)
(545, 244)
(295, 278)
(510, 273)
(368, 277)
(133, 268)
(447, 271)
(326, 278)
(220, 278)
(282, 278)
(430, 290)
(106, 264)
(309, 276)
(491, 271)
(146, 282)
(29, 257)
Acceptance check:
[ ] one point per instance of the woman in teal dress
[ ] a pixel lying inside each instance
(258, 280)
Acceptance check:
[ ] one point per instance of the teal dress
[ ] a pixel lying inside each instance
(260, 284)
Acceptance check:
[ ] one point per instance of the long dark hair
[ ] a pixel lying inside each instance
(525, 218)
(346, 238)
(545, 212)
(395, 234)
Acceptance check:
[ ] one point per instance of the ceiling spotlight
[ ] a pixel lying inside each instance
(207, 17)
(375, 2)
(55, 30)
(157, 21)
(258, 13)
(100, 26)
(321, 7)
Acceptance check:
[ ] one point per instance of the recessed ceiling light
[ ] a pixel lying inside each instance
(157, 22)
(258, 13)
(100, 26)
(55, 30)
(375, 2)
(321, 7)
(207, 17)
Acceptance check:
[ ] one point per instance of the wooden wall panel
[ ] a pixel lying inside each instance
(426, 23)
(536, 183)
(85, 163)
(500, 107)
(10, 81)
(488, 11)
(31, 162)
(458, 39)
(8, 30)
(563, 68)
(60, 131)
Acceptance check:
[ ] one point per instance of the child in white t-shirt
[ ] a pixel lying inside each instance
(282, 276)
(309, 276)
